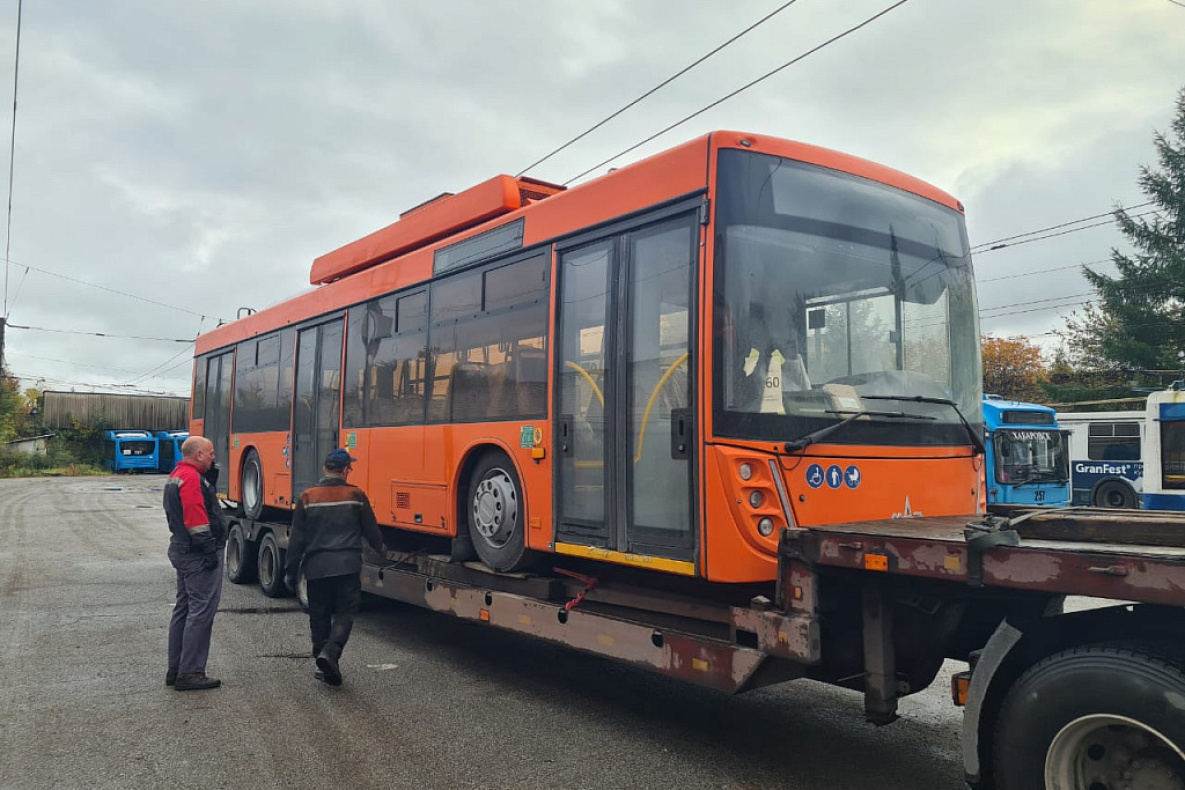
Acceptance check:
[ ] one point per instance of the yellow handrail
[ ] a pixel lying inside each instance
(600, 396)
(653, 397)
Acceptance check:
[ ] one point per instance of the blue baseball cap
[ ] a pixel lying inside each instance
(338, 459)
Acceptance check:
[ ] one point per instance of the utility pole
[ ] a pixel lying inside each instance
(2, 321)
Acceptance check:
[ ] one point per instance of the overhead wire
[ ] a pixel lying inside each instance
(92, 385)
(150, 372)
(659, 86)
(116, 291)
(1042, 271)
(1060, 233)
(101, 334)
(742, 89)
(73, 364)
(975, 247)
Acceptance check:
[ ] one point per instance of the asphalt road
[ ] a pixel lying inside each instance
(429, 702)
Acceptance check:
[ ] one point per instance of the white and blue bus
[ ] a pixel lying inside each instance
(1130, 459)
(1027, 461)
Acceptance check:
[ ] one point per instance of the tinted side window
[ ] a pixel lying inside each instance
(257, 385)
(1113, 441)
(397, 371)
(386, 361)
(199, 387)
(489, 343)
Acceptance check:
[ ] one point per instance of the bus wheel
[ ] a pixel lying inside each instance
(241, 556)
(496, 514)
(1113, 493)
(251, 489)
(1124, 732)
(271, 568)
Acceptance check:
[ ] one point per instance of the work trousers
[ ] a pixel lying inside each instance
(333, 602)
(199, 589)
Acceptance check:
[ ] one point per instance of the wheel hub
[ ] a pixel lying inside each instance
(495, 507)
(1105, 752)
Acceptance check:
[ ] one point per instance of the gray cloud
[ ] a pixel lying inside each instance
(204, 154)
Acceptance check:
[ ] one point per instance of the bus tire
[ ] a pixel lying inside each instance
(1114, 494)
(241, 556)
(1099, 716)
(271, 568)
(496, 514)
(251, 486)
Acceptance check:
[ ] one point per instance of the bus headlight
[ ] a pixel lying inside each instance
(755, 499)
(745, 471)
(766, 527)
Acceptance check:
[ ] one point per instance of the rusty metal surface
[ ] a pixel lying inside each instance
(794, 636)
(702, 660)
(936, 548)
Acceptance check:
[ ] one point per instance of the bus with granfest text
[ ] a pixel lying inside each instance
(660, 368)
(1130, 459)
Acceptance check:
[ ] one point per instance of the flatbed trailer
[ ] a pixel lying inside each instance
(1090, 699)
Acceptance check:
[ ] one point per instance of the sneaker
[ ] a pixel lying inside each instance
(328, 665)
(195, 681)
(171, 676)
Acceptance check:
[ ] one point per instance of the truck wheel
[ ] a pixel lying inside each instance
(1094, 718)
(241, 556)
(1113, 493)
(251, 486)
(496, 514)
(271, 568)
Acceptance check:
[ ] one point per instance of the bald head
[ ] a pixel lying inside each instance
(198, 450)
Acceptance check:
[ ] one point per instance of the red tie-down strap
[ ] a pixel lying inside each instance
(589, 583)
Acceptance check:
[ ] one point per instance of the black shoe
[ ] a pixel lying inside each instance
(319, 675)
(328, 665)
(195, 681)
(171, 676)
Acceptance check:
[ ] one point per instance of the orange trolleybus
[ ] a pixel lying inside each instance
(661, 368)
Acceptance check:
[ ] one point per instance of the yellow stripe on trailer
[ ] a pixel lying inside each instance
(625, 558)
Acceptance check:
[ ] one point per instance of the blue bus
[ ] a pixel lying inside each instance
(131, 451)
(170, 448)
(1130, 459)
(1027, 457)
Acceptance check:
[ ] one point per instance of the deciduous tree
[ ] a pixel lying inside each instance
(1013, 367)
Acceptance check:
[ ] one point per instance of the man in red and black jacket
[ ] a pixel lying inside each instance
(195, 549)
(328, 525)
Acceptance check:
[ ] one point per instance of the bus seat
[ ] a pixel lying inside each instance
(469, 392)
(530, 380)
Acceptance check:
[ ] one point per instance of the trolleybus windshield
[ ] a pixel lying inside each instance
(829, 287)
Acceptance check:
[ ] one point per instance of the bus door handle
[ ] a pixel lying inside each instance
(680, 433)
(567, 436)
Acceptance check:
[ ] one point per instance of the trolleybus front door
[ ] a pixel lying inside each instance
(315, 416)
(624, 444)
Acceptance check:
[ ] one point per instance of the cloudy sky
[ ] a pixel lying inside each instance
(193, 158)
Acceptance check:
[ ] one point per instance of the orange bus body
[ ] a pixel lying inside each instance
(417, 475)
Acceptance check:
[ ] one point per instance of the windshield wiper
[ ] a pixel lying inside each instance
(976, 439)
(802, 442)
